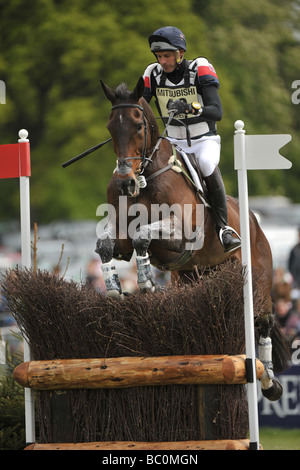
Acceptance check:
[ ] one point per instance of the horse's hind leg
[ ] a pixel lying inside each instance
(274, 355)
(270, 387)
(271, 346)
(105, 249)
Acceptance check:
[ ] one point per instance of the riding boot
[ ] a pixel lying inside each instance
(217, 198)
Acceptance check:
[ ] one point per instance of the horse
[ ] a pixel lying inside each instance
(175, 230)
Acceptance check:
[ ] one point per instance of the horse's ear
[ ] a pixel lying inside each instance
(109, 93)
(139, 89)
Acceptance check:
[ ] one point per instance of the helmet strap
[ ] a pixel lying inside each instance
(179, 57)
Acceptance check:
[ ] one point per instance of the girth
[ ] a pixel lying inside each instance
(181, 260)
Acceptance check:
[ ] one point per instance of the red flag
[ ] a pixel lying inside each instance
(15, 160)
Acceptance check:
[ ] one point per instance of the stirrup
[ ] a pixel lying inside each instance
(229, 229)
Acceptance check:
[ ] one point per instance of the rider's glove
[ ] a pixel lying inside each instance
(180, 107)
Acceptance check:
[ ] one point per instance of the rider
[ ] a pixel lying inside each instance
(190, 89)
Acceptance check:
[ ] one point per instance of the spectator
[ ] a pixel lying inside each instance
(281, 287)
(294, 262)
(94, 276)
(282, 312)
(292, 324)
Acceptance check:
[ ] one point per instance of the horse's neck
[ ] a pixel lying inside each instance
(162, 154)
(167, 148)
(149, 113)
(164, 150)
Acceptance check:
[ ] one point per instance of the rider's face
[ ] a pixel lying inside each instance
(168, 60)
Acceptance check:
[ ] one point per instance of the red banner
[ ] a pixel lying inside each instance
(15, 160)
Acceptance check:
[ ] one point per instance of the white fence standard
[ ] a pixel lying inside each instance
(253, 152)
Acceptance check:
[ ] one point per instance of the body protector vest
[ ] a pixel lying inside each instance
(197, 73)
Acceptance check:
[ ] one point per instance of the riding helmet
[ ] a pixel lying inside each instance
(167, 38)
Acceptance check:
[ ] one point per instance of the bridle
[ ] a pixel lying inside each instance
(145, 160)
(123, 162)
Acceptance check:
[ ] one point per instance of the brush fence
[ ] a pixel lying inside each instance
(164, 370)
(127, 372)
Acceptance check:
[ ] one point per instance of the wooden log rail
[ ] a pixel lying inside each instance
(124, 372)
(222, 444)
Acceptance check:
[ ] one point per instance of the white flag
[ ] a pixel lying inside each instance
(262, 152)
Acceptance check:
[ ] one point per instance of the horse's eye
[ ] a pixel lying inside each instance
(139, 127)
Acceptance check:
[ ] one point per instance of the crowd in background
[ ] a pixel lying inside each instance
(286, 294)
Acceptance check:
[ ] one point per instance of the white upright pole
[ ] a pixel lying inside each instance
(26, 262)
(240, 150)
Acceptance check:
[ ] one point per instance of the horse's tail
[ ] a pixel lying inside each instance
(281, 349)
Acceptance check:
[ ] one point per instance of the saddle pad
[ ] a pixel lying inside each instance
(193, 173)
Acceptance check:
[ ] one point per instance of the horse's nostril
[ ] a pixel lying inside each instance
(127, 186)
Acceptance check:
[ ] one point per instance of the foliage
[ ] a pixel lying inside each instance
(12, 420)
(12, 415)
(55, 51)
(255, 46)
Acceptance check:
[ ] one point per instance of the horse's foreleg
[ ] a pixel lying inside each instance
(168, 232)
(140, 243)
(105, 249)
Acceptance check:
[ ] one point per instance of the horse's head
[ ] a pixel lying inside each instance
(131, 132)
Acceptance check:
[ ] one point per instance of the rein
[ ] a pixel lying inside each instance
(144, 159)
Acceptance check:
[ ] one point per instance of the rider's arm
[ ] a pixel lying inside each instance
(147, 94)
(212, 106)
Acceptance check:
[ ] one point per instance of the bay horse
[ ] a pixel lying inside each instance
(144, 182)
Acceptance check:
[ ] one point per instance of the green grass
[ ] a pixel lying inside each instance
(279, 439)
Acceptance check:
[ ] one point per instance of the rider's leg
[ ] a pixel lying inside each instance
(217, 199)
(208, 157)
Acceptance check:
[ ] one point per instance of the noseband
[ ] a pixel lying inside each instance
(143, 157)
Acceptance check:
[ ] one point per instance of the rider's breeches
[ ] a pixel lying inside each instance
(206, 150)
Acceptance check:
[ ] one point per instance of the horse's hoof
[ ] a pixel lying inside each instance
(274, 392)
(147, 286)
(114, 293)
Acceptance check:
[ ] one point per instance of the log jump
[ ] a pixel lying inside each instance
(221, 444)
(127, 372)
(181, 386)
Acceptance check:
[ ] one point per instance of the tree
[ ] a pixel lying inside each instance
(54, 56)
(254, 45)
(55, 51)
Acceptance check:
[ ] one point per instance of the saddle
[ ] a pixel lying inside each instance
(195, 175)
